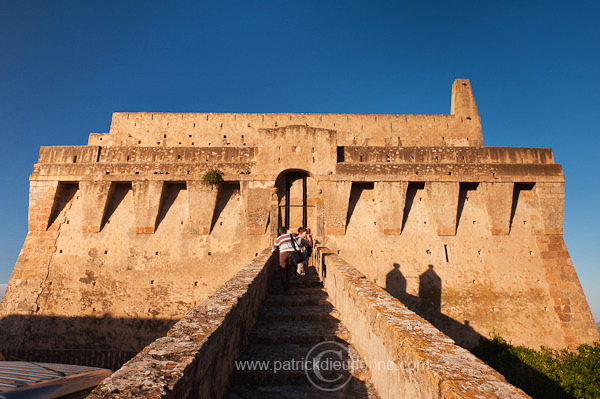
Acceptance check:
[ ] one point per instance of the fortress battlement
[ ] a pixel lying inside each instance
(462, 127)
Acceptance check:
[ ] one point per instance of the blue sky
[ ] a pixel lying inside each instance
(65, 66)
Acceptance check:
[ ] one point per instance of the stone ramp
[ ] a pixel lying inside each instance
(293, 331)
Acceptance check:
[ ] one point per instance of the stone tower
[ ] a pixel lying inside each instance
(124, 238)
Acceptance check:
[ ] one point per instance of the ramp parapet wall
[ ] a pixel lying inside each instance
(408, 357)
(196, 357)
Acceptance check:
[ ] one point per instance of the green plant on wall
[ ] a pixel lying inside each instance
(212, 178)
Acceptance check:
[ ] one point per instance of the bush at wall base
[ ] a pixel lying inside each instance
(546, 373)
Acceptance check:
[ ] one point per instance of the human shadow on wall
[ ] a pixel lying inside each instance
(495, 353)
(430, 290)
(395, 283)
(103, 341)
(427, 304)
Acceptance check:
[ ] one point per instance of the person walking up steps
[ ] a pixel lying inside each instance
(302, 244)
(311, 245)
(286, 269)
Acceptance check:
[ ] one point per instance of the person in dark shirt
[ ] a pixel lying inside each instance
(302, 244)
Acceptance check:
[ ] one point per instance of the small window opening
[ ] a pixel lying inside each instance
(340, 154)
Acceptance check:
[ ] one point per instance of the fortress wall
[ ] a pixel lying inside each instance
(123, 234)
(309, 148)
(69, 154)
(407, 356)
(172, 130)
(151, 198)
(351, 154)
(454, 155)
(452, 172)
(115, 155)
(134, 256)
(468, 263)
(127, 172)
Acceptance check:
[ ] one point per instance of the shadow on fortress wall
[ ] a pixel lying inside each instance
(88, 341)
(428, 305)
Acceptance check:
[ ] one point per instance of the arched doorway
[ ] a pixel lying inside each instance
(296, 192)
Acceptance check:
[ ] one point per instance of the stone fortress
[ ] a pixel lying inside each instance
(124, 239)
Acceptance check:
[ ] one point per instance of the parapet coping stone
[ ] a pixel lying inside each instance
(457, 371)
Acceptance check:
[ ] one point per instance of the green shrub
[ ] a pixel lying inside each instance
(546, 373)
(212, 178)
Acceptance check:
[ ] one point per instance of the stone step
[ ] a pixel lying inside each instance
(285, 364)
(261, 378)
(276, 284)
(291, 326)
(306, 312)
(307, 277)
(277, 352)
(266, 331)
(296, 300)
(352, 390)
(296, 290)
(290, 356)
